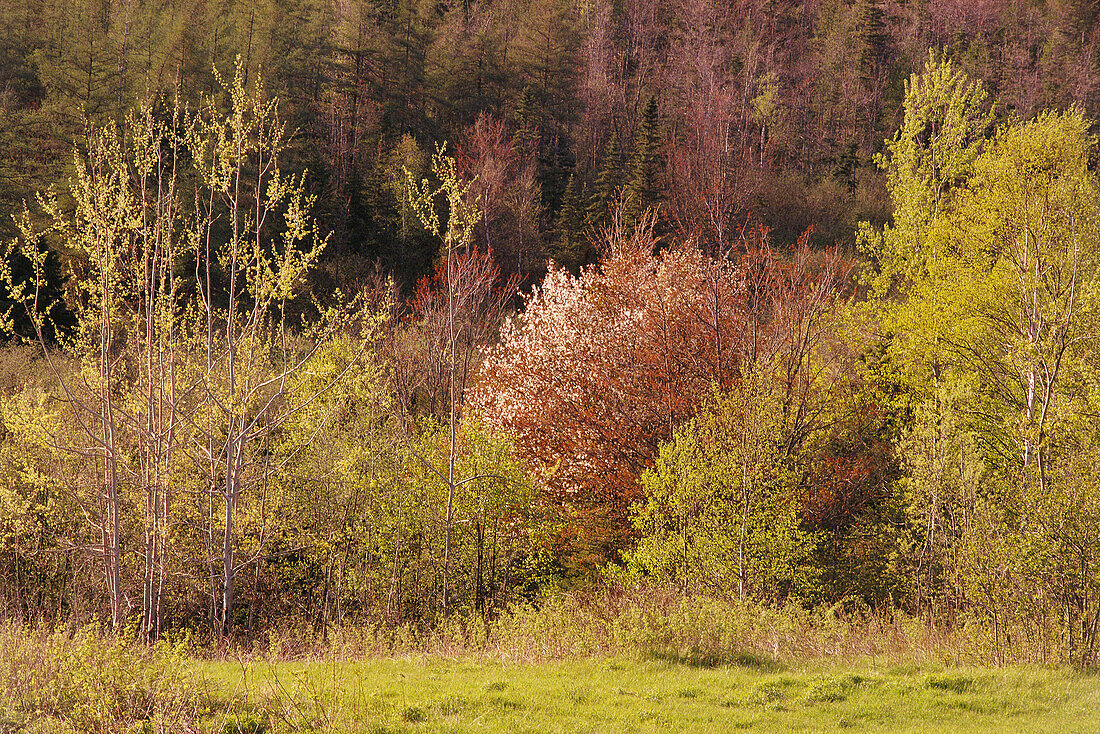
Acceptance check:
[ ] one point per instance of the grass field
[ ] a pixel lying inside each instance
(630, 695)
(694, 666)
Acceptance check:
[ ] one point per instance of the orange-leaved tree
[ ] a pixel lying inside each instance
(599, 368)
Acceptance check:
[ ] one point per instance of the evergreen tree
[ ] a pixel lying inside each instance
(528, 137)
(643, 188)
(556, 167)
(572, 247)
(466, 73)
(873, 62)
(76, 64)
(608, 187)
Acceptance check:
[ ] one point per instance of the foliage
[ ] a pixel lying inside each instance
(994, 255)
(602, 367)
(269, 385)
(720, 512)
(599, 368)
(79, 680)
(166, 369)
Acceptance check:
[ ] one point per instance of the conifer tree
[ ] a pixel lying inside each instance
(528, 136)
(571, 248)
(643, 186)
(873, 60)
(607, 188)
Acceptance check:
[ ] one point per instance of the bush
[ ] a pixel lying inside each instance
(78, 680)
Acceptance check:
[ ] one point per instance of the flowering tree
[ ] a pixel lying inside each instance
(600, 368)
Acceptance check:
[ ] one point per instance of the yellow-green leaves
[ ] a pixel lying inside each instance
(994, 250)
(992, 269)
(944, 131)
(463, 212)
(719, 511)
(944, 127)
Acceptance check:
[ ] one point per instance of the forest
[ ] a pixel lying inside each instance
(325, 313)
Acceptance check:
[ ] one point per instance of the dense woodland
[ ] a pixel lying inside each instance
(327, 312)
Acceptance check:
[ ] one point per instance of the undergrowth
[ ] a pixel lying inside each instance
(80, 679)
(668, 625)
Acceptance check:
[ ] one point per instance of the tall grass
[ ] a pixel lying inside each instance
(80, 680)
(647, 622)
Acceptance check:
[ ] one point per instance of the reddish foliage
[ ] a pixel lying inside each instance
(420, 354)
(599, 369)
(852, 470)
(505, 183)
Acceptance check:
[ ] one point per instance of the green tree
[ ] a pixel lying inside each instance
(489, 523)
(995, 253)
(720, 510)
(168, 373)
(607, 190)
(462, 215)
(249, 344)
(123, 241)
(572, 247)
(342, 501)
(945, 127)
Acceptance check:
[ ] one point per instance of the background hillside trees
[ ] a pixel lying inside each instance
(769, 109)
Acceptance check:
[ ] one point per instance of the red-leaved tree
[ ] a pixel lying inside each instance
(600, 368)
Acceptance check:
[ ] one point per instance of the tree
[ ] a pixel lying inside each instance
(643, 186)
(124, 240)
(170, 369)
(456, 238)
(339, 504)
(466, 63)
(602, 367)
(505, 185)
(607, 189)
(251, 349)
(927, 163)
(572, 247)
(491, 525)
(995, 253)
(708, 154)
(931, 156)
(720, 510)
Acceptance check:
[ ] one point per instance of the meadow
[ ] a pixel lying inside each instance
(648, 695)
(616, 663)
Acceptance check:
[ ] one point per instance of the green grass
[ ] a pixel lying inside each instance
(645, 666)
(653, 695)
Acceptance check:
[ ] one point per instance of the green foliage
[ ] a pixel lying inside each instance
(207, 417)
(461, 213)
(80, 681)
(607, 189)
(944, 129)
(573, 247)
(164, 384)
(369, 509)
(995, 255)
(720, 513)
(496, 524)
(643, 187)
